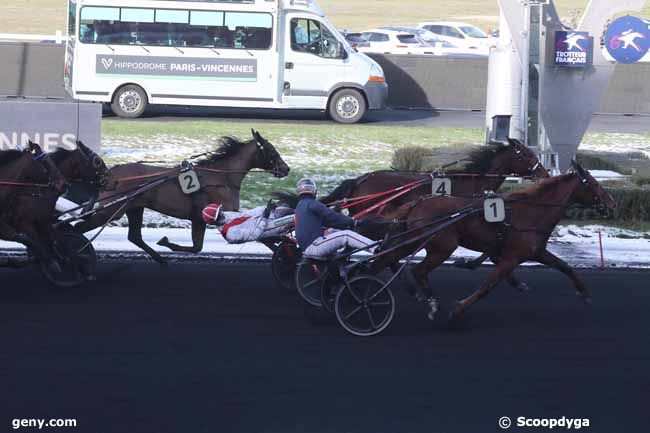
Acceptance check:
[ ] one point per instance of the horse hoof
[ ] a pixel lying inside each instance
(163, 242)
(588, 300)
(455, 316)
(462, 263)
(523, 287)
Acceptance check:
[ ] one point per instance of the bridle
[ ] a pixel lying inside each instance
(267, 160)
(520, 155)
(95, 163)
(597, 204)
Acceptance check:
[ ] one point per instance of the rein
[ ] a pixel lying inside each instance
(24, 184)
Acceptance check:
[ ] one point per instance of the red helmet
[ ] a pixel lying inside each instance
(211, 213)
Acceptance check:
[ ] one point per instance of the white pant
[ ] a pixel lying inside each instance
(64, 206)
(332, 242)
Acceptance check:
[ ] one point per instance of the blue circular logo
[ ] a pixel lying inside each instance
(628, 39)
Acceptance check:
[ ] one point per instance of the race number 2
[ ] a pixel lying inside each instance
(189, 182)
(494, 210)
(441, 186)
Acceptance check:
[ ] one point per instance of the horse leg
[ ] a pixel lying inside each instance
(502, 270)
(135, 235)
(549, 259)
(198, 236)
(512, 280)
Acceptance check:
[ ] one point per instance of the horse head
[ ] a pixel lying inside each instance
(92, 168)
(591, 193)
(57, 181)
(524, 161)
(268, 158)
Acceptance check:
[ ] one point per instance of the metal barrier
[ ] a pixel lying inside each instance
(461, 84)
(32, 70)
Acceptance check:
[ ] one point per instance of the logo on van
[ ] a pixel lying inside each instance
(199, 68)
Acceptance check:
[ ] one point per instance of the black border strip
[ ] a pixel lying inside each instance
(82, 92)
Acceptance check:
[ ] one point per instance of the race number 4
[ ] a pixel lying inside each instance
(494, 210)
(189, 182)
(441, 186)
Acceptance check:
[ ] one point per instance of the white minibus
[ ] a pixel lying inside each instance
(223, 53)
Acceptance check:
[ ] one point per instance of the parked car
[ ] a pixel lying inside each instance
(396, 42)
(462, 35)
(355, 39)
(432, 40)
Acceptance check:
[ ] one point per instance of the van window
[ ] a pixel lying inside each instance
(310, 36)
(379, 37)
(72, 19)
(176, 28)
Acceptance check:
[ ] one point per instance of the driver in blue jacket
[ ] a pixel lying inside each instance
(313, 223)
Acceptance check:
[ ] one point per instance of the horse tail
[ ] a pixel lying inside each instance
(344, 190)
(288, 198)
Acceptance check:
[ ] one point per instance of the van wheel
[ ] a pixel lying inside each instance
(347, 106)
(129, 101)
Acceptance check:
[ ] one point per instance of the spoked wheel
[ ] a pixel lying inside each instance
(309, 275)
(76, 260)
(365, 307)
(283, 264)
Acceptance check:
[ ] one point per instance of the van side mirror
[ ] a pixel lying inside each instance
(343, 53)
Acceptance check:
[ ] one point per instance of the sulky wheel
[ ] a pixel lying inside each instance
(365, 307)
(76, 260)
(309, 276)
(330, 285)
(283, 264)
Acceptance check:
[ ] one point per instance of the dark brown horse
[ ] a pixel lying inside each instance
(36, 185)
(487, 166)
(535, 212)
(221, 173)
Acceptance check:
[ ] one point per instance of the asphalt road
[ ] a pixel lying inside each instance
(215, 347)
(430, 118)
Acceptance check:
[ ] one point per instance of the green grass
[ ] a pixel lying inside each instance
(47, 16)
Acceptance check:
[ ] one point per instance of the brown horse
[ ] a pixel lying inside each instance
(35, 180)
(535, 212)
(221, 173)
(487, 166)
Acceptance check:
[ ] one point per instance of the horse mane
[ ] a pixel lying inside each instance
(7, 156)
(226, 147)
(59, 155)
(465, 159)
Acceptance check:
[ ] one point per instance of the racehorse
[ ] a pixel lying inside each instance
(535, 211)
(221, 173)
(484, 169)
(27, 177)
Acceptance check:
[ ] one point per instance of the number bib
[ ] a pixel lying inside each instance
(441, 186)
(189, 182)
(494, 210)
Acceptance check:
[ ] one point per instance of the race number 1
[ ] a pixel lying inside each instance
(494, 210)
(441, 186)
(189, 182)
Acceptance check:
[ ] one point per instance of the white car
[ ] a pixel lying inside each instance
(462, 35)
(432, 40)
(396, 42)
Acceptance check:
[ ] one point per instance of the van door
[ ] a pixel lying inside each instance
(315, 61)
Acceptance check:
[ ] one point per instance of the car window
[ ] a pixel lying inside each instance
(452, 32)
(407, 39)
(310, 36)
(474, 32)
(434, 29)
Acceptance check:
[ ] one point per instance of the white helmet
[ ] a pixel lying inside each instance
(306, 186)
